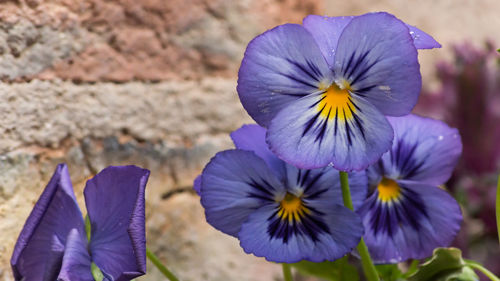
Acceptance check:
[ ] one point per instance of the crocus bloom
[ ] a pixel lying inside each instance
(322, 88)
(408, 215)
(277, 211)
(53, 244)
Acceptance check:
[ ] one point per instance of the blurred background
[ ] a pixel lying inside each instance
(152, 82)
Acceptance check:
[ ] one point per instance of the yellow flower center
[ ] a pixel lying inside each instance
(388, 190)
(292, 208)
(336, 102)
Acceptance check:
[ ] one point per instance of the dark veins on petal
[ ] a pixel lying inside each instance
(318, 123)
(313, 120)
(309, 71)
(347, 130)
(307, 181)
(261, 190)
(304, 180)
(386, 218)
(308, 222)
(356, 69)
(403, 156)
(310, 225)
(298, 80)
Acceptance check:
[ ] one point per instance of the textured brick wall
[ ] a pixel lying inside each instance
(151, 82)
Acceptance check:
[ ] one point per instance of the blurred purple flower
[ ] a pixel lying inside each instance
(470, 94)
(53, 244)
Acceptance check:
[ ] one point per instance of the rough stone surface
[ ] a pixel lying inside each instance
(146, 40)
(47, 112)
(27, 49)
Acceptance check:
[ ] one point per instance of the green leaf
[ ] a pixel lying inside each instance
(466, 274)
(338, 270)
(96, 272)
(411, 269)
(389, 272)
(446, 264)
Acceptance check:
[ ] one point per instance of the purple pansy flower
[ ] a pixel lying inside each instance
(322, 88)
(276, 210)
(408, 215)
(53, 244)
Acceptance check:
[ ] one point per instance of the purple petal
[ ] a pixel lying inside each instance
(324, 185)
(235, 183)
(323, 234)
(45, 225)
(197, 185)
(376, 57)
(309, 134)
(326, 31)
(424, 150)
(115, 205)
(54, 259)
(425, 217)
(253, 138)
(76, 261)
(421, 39)
(280, 66)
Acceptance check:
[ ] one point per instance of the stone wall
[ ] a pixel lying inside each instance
(152, 82)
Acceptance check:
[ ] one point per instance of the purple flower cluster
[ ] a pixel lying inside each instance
(334, 94)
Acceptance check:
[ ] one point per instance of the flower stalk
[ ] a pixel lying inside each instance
(477, 266)
(163, 269)
(366, 261)
(287, 272)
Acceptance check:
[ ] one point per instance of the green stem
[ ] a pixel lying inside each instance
(498, 208)
(412, 268)
(287, 272)
(96, 272)
(366, 262)
(482, 269)
(88, 227)
(163, 269)
(346, 193)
